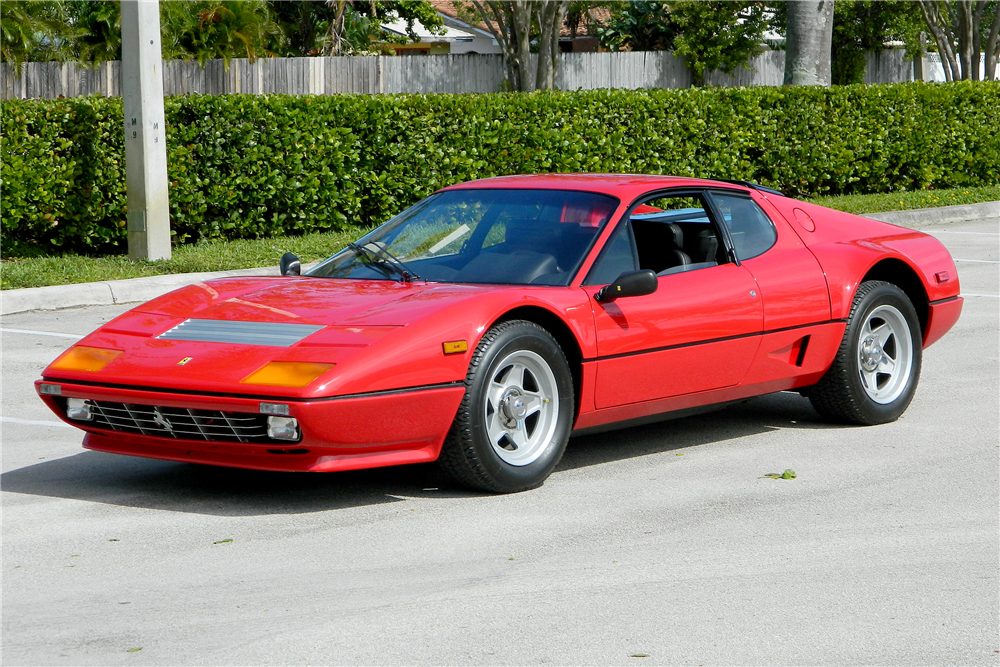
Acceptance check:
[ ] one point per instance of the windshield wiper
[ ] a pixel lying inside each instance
(383, 259)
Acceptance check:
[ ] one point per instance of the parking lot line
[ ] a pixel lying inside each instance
(978, 261)
(948, 231)
(33, 422)
(29, 332)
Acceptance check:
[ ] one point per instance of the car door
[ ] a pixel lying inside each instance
(698, 331)
(792, 286)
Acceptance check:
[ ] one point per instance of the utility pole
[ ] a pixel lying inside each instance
(145, 136)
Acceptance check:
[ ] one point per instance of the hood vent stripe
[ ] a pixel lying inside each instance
(274, 334)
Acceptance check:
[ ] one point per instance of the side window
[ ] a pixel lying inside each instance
(617, 257)
(752, 232)
(674, 234)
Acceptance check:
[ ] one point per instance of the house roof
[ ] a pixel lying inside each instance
(450, 34)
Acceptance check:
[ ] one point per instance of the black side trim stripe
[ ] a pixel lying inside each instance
(950, 298)
(255, 397)
(713, 340)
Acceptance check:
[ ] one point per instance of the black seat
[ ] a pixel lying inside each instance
(520, 267)
(660, 245)
(674, 253)
(528, 235)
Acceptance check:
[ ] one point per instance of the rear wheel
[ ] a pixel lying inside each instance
(875, 373)
(514, 422)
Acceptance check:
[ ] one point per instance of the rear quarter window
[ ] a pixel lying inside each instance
(752, 231)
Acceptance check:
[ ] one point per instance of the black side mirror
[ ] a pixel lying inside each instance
(630, 283)
(290, 265)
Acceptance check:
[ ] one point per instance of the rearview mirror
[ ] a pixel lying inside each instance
(630, 283)
(290, 265)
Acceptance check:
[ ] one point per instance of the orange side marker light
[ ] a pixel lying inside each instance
(455, 347)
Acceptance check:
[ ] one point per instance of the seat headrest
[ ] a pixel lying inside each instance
(530, 234)
(677, 234)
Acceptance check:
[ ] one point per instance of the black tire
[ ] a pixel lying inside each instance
(847, 392)
(469, 455)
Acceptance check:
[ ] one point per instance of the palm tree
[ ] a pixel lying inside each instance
(33, 30)
(224, 29)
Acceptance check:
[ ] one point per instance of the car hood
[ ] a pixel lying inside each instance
(321, 301)
(211, 336)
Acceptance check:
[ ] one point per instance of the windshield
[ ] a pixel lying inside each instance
(517, 237)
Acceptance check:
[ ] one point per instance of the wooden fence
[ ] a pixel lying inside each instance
(413, 74)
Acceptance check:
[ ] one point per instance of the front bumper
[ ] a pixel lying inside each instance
(339, 433)
(941, 316)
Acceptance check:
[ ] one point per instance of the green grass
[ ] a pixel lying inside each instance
(226, 255)
(206, 256)
(904, 201)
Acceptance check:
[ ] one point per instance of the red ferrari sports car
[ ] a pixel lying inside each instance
(487, 323)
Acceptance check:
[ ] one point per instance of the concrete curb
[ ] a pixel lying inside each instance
(136, 290)
(111, 292)
(919, 217)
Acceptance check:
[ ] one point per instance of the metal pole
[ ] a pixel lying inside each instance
(145, 138)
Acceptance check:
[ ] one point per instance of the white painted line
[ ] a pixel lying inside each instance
(29, 332)
(947, 231)
(978, 261)
(988, 296)
(33, 422)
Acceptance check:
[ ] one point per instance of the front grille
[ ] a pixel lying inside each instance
(180, 423)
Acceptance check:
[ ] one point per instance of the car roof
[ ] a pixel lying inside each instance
(623, 186)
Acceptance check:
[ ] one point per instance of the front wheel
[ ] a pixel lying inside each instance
(875, 373)
(514, 422)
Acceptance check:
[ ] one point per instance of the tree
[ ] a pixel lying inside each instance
(215, 29)
(579, 13)
(33, 31)
(513, 23)
(302, 26)
(959, 29)
(860, 26)
(98, 34)
(709, 35)
(808, 43)
(354, 25)
(718, 35)
(348, 29)
(640, 26)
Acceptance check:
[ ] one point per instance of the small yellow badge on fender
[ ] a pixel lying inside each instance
(184, 361)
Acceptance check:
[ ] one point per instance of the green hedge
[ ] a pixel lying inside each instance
(244, 166)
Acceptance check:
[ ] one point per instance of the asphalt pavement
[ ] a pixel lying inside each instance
(663, 544)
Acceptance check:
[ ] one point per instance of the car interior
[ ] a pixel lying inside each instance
(541, 238)
(515, 244)
(668, 235)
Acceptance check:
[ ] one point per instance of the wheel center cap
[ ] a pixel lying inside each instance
(871, 354)
(513, 404)
(517, 408)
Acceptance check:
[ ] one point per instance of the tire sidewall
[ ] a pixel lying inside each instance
(882, 295)
(521, 336)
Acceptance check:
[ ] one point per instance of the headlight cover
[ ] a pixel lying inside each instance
(83, 358)
(287, 373)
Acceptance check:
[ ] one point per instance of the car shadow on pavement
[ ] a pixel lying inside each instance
(752, 417)
(181, 487)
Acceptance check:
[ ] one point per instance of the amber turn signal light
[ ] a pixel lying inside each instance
(287, 373)
(82, 358)
(455, 347)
